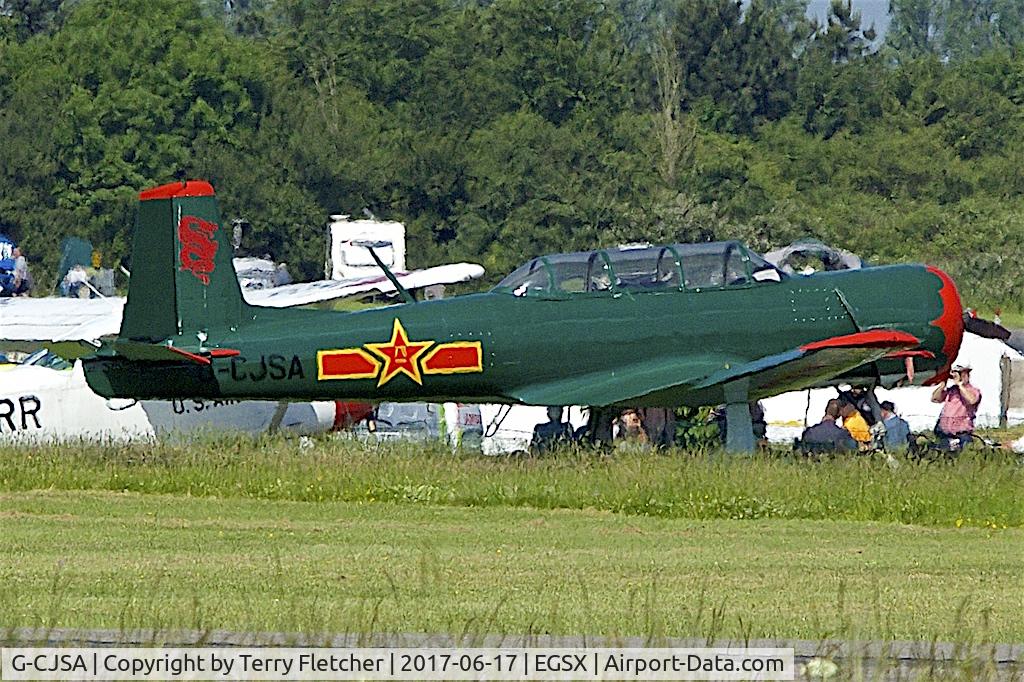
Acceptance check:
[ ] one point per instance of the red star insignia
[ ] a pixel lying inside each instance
(400, 355)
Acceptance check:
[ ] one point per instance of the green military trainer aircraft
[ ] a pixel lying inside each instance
(686, 324)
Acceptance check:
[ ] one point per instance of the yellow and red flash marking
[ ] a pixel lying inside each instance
(399, 355)
(346, 363)
(454, 358)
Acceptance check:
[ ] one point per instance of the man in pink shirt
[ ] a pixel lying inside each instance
(959, 405)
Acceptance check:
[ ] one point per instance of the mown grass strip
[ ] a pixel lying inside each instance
(977, 490)
(125, 561)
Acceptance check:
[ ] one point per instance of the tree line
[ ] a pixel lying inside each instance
(501, 129)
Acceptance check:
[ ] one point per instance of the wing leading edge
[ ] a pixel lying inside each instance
(702, 380)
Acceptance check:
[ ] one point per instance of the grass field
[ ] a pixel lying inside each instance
(978, 490)
(341, 538)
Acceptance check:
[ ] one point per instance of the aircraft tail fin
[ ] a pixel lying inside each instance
(183, 281)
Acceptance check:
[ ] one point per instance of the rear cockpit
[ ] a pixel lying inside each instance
(675, 267)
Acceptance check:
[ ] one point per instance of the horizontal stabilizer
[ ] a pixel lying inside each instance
(72, 350)
(153, 352)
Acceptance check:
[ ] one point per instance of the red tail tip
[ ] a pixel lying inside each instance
(192, 188)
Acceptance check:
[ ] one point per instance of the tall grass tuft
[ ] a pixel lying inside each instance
(977, 490)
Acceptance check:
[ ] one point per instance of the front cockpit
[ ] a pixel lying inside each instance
(675, 267)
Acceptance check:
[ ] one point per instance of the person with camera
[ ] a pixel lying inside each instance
(960, 402)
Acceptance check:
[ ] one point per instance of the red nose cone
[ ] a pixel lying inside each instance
(951, 322)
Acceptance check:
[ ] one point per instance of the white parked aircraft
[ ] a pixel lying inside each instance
(46, 399)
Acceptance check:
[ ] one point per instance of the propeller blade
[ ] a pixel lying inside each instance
(985, 328)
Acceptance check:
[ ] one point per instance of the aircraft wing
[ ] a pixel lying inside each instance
(661, 382)
(327, 290)
(27, 323)
(30, 323)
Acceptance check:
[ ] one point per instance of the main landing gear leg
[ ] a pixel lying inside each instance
(878, 430)
(599, 424)
(739, 431)
(872, 401)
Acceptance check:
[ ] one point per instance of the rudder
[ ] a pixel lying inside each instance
(183, 281)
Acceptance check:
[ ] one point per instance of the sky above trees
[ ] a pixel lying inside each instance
(872, 12)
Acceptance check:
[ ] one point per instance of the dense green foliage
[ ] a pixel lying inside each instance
(499, 130)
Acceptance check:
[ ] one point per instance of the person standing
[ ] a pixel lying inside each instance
(660, 425)
(552, 433)
(22, 277)
(959, 407)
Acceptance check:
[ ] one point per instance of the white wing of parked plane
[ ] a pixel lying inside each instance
(29, 322)
(327, 290)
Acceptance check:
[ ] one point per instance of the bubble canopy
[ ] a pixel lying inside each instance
(674, 267)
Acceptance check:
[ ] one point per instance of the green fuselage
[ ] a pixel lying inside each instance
(536, 341)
